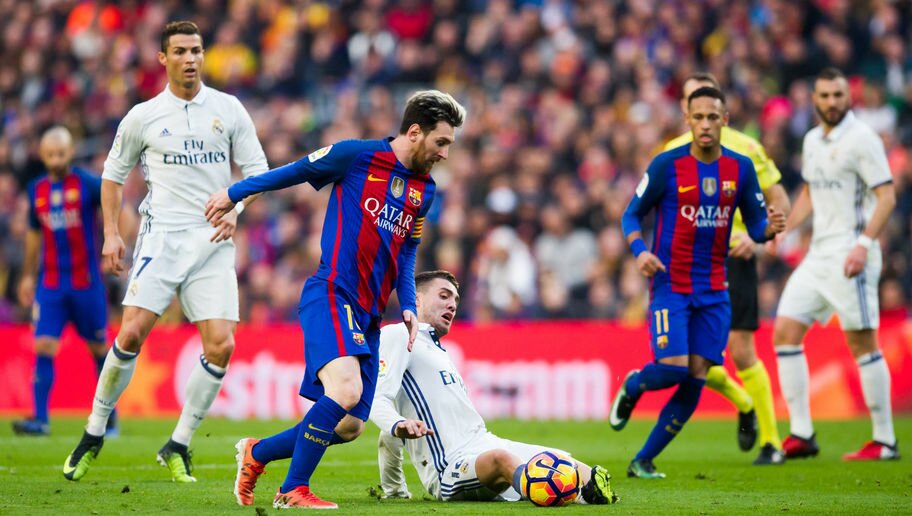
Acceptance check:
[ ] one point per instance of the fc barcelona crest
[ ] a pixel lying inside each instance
(415, 196)
(728, 188)
(397, 186)
(709, 186)
(358, 338)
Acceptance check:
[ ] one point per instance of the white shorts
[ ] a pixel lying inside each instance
(459, 481)
(187, 263)
(818, 288)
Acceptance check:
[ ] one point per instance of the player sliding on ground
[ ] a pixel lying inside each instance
(695, 189)
(422, 404)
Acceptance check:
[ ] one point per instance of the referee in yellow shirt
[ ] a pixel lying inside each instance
(755, 401)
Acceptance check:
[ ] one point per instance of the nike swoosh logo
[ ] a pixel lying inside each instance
(371, 177)
(540, 463)
(312, 427)
(685, 189)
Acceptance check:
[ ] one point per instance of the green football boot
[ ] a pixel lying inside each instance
(643, 468)
(77, 464)
(598, 490)
(176, 457)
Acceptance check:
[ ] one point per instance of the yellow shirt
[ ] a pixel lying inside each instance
(767, 172)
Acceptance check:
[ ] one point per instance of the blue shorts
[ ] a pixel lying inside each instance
(87, 309)
(335, 326)
(686, 324)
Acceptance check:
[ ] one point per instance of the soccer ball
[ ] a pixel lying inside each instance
(549, 480)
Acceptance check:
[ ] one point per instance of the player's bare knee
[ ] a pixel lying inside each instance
(46, 347)
(219, 352)
(346, 393)
(130, 338)
(350, 428)
(743, 357)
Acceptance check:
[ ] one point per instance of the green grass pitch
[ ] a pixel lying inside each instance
(707, 474)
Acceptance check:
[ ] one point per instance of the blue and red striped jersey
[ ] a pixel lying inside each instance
(695, 203)
(373, 222)
(65, 212)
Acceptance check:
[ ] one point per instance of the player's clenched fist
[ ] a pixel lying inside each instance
(412, 429)
(649, 264)
(776, 223)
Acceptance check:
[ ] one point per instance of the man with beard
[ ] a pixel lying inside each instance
(382, 190)
(849, 188)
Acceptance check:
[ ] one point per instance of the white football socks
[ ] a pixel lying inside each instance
(875, 384)
(112, 381)
(794, 380)
(202, 388)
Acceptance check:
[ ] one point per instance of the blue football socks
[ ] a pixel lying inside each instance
(654, 377)
(279, 446)
(315, 434)
(41, 388)
(674, 414)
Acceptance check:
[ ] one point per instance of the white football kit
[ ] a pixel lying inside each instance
(840, 170)
(185, 149)
(424, 384)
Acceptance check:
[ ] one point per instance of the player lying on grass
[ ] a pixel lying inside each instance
(421, 404)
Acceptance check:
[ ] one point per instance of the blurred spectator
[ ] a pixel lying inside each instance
(568, 101)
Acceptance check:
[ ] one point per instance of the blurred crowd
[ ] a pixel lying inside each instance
(567, 103)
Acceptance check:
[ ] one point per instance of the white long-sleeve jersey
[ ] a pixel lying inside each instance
(184, 149)
(424, 385)
(841, 169)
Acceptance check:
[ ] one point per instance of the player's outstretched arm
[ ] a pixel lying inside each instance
(112, 252)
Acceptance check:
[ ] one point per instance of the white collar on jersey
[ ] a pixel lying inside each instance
(847, 121)
(198, 99)
(432, 332)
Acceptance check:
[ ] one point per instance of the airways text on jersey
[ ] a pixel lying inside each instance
(388, 217)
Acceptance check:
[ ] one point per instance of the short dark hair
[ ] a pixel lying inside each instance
(703, 77)
(830, 73)
(423, 278)
(178, 27)
(428, 107)
(706, 91)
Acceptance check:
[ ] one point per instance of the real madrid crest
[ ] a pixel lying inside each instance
(397, 186)
(709, 186)
(217, 126)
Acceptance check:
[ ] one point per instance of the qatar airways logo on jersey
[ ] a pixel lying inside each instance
(194, 154)
(707, 216)
(63, 219)
(389, 218)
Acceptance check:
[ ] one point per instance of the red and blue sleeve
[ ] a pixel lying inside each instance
(319, 168)
(752, 203)
(405, 283)
(34, 223)
(647, 195)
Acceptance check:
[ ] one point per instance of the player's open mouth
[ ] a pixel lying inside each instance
(448, 317)
(190, 72)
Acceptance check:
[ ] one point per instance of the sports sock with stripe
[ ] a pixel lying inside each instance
(202, 388)
(674, 414)
(315, 434)
(875, 385)
(794, 380)
(653, 377)
(114, 378)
